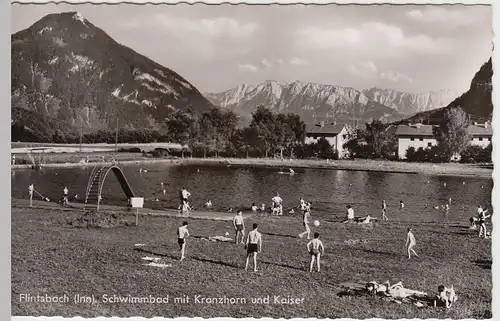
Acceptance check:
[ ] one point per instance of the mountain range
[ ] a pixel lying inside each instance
(68, 73)
(315, 101)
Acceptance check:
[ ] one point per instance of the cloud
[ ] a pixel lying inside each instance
(266, 63)
(298, 61)
(364, 69)
(436, 14)
(396, 77)
(281, 61)
(220, 27)
(206, 38)
(372, 36)
(326, 37)
(248, 68)
(368, 70)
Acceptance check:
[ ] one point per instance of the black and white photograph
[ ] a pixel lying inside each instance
(251, 160)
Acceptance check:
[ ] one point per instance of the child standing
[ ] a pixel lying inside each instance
(239, 226)
(384, 211)
(316, 249)
(182, 234)
(305, 220)
(410, 243)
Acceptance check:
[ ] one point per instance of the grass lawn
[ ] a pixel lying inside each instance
(49, 256)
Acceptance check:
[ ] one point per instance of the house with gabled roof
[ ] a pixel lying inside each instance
(335, 134)
(416, 136)
(481, 134)
(419, 135)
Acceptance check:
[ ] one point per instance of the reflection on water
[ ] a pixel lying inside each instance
(328, 190)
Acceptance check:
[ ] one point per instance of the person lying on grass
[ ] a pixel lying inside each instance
(396, 290)
(253, 246)
(182, 234)
(316, 249)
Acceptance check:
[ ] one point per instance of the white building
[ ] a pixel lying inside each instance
(335, 134)
(418, 135)
(481, 134)
(414, 135)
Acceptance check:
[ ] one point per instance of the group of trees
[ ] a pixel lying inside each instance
(216, 133)
(375, 141)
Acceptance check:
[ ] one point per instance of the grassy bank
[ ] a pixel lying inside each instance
(49, 256)
(73, 159)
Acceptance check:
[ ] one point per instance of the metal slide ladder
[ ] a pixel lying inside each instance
(96, 182)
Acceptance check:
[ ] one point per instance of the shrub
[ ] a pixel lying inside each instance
(160, 152)
(432, 154)
(130, 150)
(476, 154)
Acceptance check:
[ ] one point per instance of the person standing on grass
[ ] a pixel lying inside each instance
(482, 223)
(239, 226)
(31, 189)
(185, 200)
(253, 246)
(305, 220)
(384, 211)
(316, 249)
(401, 205)
(182, 234)
(410, 243)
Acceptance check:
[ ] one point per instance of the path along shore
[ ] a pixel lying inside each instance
(445, 169)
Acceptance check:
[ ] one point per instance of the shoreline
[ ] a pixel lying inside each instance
(445, 169)
(124, 210)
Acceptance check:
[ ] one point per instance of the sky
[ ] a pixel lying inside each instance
(411, 48)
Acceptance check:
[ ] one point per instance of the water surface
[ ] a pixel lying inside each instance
(329, 191)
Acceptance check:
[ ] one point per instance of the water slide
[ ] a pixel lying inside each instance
(96, 182)
(123, 182)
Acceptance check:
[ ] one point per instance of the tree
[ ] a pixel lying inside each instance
(323, 149)
(375, 141)
(451, 134)
(262, 125)
(476, 154)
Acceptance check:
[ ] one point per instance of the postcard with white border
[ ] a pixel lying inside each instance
(252, 160)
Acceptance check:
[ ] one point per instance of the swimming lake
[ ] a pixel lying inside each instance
(329, 191)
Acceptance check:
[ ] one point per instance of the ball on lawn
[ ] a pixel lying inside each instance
(316, 223)
(227, 233)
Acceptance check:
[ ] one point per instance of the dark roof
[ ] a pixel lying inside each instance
(480, 130)
(332, 129)
(426, 130)
(414, 130)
